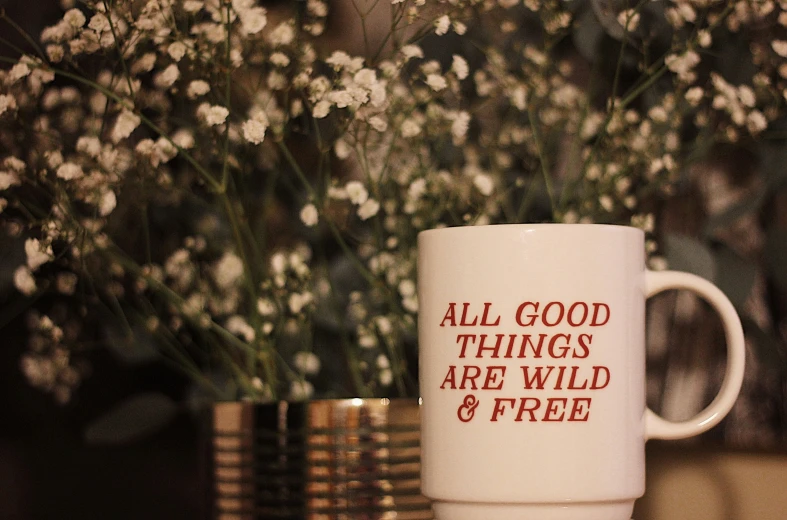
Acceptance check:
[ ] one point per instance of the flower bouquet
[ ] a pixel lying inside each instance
(235, 187)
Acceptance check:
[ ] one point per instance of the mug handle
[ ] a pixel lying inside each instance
(659, 428)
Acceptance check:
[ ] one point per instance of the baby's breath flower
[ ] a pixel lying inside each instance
(356, 192)
(780, 47)
(238, 326)
(177, 50)
(459, 67)
(309, 215)
(24, 281)
(629, 19)
(321, 109)
(167, 77)
(378, 123)
(126, 123)
(412, 51)
(193, 6)
(410, 128)
(300, 390)
(8, 179)
(69, 171)
(368, 209)
(107, 203)
(307, 362)
(197, 88)
(483, 184)
(74, 18)
(212, 115)
(7, 102)
(283, 34)
(228, 270)
(17, 72)
(442, 25)
(254, 128)
(37, 253)
(683, 64)
(279, 59)
(253, 20)
(459, 126)
(298, 301)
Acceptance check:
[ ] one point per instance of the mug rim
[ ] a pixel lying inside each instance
(535, 226)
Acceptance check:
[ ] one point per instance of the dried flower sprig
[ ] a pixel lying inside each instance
(214, 175)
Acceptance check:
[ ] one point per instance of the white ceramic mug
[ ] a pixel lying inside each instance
(532, 370)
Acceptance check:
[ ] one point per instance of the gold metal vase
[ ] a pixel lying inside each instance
(343, 459)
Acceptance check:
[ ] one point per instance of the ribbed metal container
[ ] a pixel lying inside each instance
(353, 459)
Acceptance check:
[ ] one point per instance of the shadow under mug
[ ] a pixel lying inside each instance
(532, 370)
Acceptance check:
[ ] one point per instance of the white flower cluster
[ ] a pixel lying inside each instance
(249, 188)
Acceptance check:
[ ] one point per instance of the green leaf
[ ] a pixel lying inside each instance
(734, 275)
(688, 254)
(132, 420)
(776, 256)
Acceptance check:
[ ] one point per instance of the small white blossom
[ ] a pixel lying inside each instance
(17, 72)
(24, 281)
(74, 18)
(321, 109)
(238, 326)
(37, 254)
(386, 377)
(309, 215)
(629, 19)
(410, 128)
(197, 88)
(483, 184)
(177, 50)
(99, 23)
(368, 209)
(436, 82)
(704, 38)
(228, 270)
(694, 95)
(213, 115)
(193, 6)
(254, 129)
(682, 64)
(459, 126)
(279, 59)
(298, 301)
(442, 25)
(283, 34)
(183, 138)
(356, 192)
(300, 390)
(459, 67)
(253, 20)
(8, 179)
(126, 123)
(378, 123)
(107, 203)
(412, 51)
(756, 122)
(7, 102)
(167, 77)
(69, 171)
(780, 47)
(306, 362)
(266, 307)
